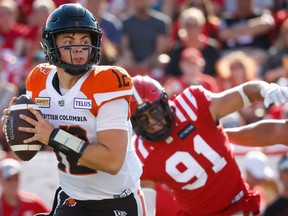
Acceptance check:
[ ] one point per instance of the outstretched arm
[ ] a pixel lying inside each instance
(261, 133)
(236, 98)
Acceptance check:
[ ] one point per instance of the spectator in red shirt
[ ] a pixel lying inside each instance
(60, 2)
(15, 35)
(39, 14)
(25, 9)
(191, 65)
(212, 23)
(208, 8)
(13, 201)
(192, 22)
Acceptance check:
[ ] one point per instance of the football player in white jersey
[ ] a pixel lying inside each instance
(85, 119)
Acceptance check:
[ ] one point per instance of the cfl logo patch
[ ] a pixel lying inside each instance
(120, 213)
(70, 202)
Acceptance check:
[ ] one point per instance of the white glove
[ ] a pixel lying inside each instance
(274, 94)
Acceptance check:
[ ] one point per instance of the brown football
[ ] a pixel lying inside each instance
(25, 151)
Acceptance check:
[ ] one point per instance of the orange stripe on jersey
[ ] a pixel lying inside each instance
(36, 79)
(139, 193)
(107, 83)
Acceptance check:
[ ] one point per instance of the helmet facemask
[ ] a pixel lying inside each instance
(54, 57)
(160, 112)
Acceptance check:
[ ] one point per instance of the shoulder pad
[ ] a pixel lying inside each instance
(108, 83)
(45, 68)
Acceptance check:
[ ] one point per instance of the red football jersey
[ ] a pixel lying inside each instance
(196, 161)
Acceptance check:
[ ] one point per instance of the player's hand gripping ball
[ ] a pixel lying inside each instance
(14, 137)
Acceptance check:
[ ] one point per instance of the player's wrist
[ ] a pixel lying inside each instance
(67, 143)
(265, 88)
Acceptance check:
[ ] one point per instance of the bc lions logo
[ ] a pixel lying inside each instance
(45, 68)
(70, 202)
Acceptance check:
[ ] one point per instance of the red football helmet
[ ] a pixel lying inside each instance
(148, 93)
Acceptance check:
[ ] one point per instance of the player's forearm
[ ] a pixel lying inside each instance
(244, 137)
(236, 98)
(107, 155)
(262, 133)
(100, 157)
(252, 90)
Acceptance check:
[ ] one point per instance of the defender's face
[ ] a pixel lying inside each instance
(152, 119)
(74, 47)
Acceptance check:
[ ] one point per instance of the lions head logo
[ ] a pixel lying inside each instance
(70, 202)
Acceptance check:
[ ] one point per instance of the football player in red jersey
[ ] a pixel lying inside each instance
(98, 168)
(182, 144)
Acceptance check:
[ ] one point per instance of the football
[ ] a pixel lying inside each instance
(15, 137)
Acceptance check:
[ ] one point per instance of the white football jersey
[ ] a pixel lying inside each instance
(76, 112)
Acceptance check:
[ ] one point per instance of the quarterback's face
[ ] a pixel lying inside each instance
(74, 47)
(152, 120)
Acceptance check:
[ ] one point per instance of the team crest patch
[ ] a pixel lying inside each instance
(187, 130)
(70, 202)
(45, 68)
(42, 102)
(81, 103)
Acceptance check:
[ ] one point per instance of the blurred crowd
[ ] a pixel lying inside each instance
(215, 43)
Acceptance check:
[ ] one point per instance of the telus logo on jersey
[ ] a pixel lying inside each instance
(80, 103)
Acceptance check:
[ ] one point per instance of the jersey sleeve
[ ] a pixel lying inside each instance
(201, 95)
(110, 83)
(36, 79)
(109, 119)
